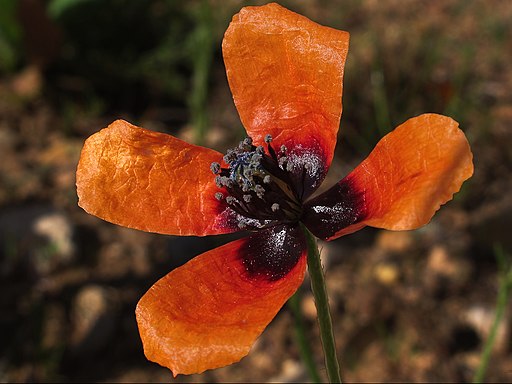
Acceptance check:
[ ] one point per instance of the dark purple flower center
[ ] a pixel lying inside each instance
(257, 185)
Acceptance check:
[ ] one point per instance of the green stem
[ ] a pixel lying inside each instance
(301, 337)
(201, 46)
(316, 275)
(503, 297)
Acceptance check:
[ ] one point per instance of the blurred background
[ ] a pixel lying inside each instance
(426, 305)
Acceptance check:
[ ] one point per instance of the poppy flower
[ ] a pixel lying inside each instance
(285, 73)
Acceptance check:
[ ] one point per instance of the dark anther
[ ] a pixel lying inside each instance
(215, 167)
(256, 186)
(230, 156)
(248, 141)
(260, 191)
(230, 199)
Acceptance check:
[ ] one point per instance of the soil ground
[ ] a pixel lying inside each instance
(407, 306)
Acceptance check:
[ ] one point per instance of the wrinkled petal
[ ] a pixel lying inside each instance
(286, 76)
(411, 172)
(208, 313)
(150, 181)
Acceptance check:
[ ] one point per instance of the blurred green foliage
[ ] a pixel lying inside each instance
(201, 45)
(504, 263)
(131, 53)
(10, 36)
(117, 55)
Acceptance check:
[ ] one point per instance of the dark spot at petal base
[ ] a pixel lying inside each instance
(340, 206)
(272, 253)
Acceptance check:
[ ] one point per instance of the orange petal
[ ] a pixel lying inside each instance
(150, 181)
(208, 313)
(411, 172)
(286, 76)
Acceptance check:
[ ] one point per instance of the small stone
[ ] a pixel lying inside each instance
(386, 273)
(58, 230)
(444, 271)
(482, 318)
(291, 372)
(93, 318)
(40, 236)
(394, 241)
(439, 262)
(308, 306)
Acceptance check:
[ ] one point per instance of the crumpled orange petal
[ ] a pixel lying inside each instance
(406, 178)
(286, 76)
(207, 313)
(149, 181)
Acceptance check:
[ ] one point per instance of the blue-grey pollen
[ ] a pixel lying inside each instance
(256, 184)
(215, 168)
(230, 200)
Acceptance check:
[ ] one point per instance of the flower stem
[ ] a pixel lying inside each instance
(316, 275)
(301, 337)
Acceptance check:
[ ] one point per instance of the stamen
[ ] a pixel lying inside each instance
(248, 141)
(260, 191)
(230, 200)
(223, 181)
(229, 156)
(257, 172)
(215, 168)
(256, 158)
